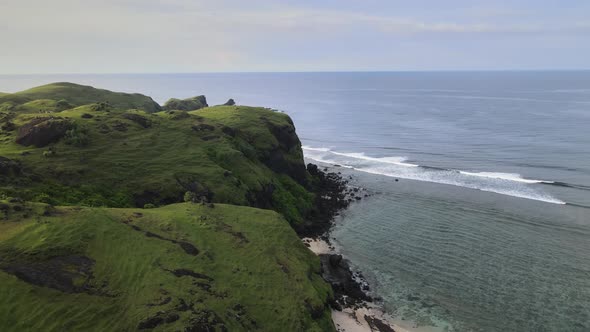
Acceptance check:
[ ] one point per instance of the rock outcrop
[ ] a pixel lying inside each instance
(230, 102)
(189, 104)
(139, 119)
(286, 157)
(41, 132)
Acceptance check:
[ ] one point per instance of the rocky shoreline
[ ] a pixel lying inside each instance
(351, 290)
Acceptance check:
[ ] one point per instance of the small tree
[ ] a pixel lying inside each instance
(190, 196)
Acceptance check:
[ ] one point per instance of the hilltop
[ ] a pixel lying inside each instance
(119, 215)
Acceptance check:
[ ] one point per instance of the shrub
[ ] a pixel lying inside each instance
(63, 104)
(45, 198)
(149, 206)
(190, 196)
(77, 136)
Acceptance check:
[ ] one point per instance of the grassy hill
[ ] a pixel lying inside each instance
(45, 98)
(130, 158)
(179, 267)
(95, 235)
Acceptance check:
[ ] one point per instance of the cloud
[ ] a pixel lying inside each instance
(226, 35)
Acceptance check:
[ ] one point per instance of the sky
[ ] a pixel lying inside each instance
(187, 36)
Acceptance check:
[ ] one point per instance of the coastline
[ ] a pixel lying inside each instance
(353, 309)
(363, 316)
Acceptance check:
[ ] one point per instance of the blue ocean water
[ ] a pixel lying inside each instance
(488, 227)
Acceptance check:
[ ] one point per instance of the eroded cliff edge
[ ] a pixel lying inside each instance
(118, 215)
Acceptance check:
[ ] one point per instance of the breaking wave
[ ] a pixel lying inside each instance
(501, 183)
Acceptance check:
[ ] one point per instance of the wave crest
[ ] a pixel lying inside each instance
(510, 184)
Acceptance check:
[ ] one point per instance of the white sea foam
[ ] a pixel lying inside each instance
(504, 176)
(315, 149)
(509, 184)
(388, 160)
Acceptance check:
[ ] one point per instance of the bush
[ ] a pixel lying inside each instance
(63, 104)
(45, 198)
(149, 206)
(77, 136)
(190, 196)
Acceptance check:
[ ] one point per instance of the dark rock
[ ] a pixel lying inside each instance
(289, 144)
(159, 319)
(186, 272)
(139, 119)
(337, 272)
(87, 116)
(312, 169)
(150, 323)
(42, 131)
(230, 102)
(335, 260)
(203, 127)
(189, 248)
(58, 273)
(330, 197)
(377, 324)
(206, 321)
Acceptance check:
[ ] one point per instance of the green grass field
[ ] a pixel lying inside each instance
(94, 234)
(258, 275)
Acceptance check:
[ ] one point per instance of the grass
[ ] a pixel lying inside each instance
(222, 147)
(262, 277)
(116, 254)
(80, 95)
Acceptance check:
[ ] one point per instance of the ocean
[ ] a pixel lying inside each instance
(478, 209)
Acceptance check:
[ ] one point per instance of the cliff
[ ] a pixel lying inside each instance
(118, 216)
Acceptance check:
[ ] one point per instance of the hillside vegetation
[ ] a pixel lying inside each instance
(95, 234)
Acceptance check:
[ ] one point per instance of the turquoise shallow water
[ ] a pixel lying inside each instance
(488, 228)
(473, 261)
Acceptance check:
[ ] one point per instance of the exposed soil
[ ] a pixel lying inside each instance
(69, 274)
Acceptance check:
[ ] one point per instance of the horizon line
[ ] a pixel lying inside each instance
(304, 72)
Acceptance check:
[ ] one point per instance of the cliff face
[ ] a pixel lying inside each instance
(286, 157)
(95, 225)
(102, 156)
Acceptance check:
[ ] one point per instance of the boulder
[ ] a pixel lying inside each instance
(41, 132)
(230, 102)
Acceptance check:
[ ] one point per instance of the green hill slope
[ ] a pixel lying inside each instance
(97, 156)
(184, 267)
(94, 234)
(74, 95)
